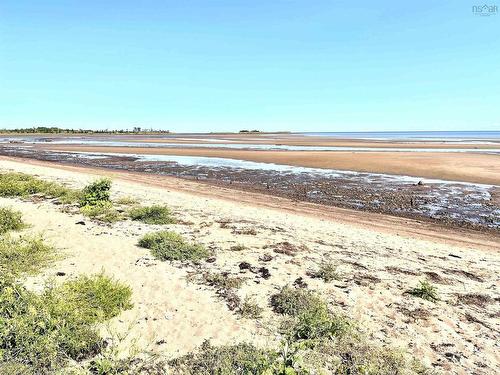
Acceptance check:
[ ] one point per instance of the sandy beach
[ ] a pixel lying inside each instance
(378, 257)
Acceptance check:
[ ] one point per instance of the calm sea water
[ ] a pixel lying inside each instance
(420, 135)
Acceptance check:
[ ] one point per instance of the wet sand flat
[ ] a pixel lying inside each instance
(477, 168)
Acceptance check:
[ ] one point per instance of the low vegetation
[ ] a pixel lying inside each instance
(222, 280)
(103, 211)
(291, 301)
(152, 214)
(24, 255)
(40, 332)
(10, 220)
(426, 291)
(234, 359)
(126, 201)
(238, 247)
(166, 245)
(22, 185)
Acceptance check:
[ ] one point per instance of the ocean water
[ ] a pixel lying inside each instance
(456, 136)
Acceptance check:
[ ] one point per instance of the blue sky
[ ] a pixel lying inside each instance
(270, 65)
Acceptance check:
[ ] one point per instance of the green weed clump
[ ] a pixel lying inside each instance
(249, 309)
(152, 215)
(126, 201)
(40, 332)
(99, 296)
(102, 211)
(223, 280)
(166, 245)
(10, 220)
(25, 255)
(426, 291)
(96, 193)
(327, 272)
(22, 185)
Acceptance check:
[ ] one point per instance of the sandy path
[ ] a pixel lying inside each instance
(479, 168)
(376, 267)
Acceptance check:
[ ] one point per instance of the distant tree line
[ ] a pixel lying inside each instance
(57, 130)
(249, 131)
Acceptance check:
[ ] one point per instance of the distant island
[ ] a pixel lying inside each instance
(57, 130)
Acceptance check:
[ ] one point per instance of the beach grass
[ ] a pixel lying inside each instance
(24, 255)
(166, 245)
(21, 185)
(10, 220)
(152, 214)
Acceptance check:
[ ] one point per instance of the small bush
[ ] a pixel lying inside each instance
(327, 272)
(293, 302)
(236, 359)
(25, 255)
(426, 291)
(249, 309)
(21, 185)
(166, 245)
(152, 215)
(10, 220)
(102, 211)
(41, 332)
(96, 193)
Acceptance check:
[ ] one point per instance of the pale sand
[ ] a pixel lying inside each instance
(377, 267)
(479, 168)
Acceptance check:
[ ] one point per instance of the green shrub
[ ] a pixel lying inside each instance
(10, 220)
(426, 291)
(41, 331)
(96, 193)
(166, 245)
(25, 255)
(102, 211)
(293, 302)
(152, 215)
(20, 185)
(241, 359)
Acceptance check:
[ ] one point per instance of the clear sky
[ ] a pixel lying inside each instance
(213, 65)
